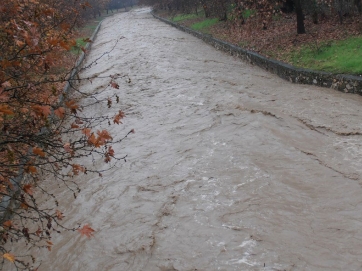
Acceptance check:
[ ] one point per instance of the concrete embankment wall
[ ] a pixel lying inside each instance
(341, 82)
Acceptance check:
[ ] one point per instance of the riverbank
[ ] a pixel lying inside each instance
(342, 82)
(318, 49)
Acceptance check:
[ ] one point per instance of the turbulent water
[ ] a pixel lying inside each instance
(230, 168)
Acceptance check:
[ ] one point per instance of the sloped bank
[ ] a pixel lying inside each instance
(342, 82)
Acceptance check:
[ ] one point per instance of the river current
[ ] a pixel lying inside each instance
(230, 168)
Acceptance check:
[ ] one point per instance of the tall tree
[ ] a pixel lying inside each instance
(300, 17)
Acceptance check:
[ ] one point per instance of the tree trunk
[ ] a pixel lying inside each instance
(206, 9)
(359, 5)
(300, 17)
(340, 9)
(224, 16)
(315, 17)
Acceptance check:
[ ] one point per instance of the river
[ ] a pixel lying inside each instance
(230, 168)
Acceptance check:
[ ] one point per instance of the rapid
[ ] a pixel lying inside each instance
(230, 168)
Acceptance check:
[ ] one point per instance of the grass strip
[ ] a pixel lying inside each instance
(205, 24)
(344, 56)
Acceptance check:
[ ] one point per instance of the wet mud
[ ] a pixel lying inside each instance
(230, 168)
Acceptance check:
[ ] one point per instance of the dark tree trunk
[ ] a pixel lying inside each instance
(223, 17)
(288, 6)
(340, 16)
(206, 9)
(207, 14)
(315, 17)
(339, 11)
(300, 17)
(359, 5)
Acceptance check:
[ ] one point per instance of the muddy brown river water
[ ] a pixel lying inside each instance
(230, 168)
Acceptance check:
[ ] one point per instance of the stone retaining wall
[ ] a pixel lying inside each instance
(341, 82)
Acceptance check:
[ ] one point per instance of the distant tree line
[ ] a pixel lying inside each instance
(97, 6)
(119, 4)
(265, 9)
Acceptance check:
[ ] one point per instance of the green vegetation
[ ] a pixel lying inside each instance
(205, 24)
(80, 43)
(343, 56)
(92, 25)
(195, 21)
(182, 17)
(86, 32)
(248, 12)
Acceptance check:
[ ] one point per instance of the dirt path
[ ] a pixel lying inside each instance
(231, 168)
